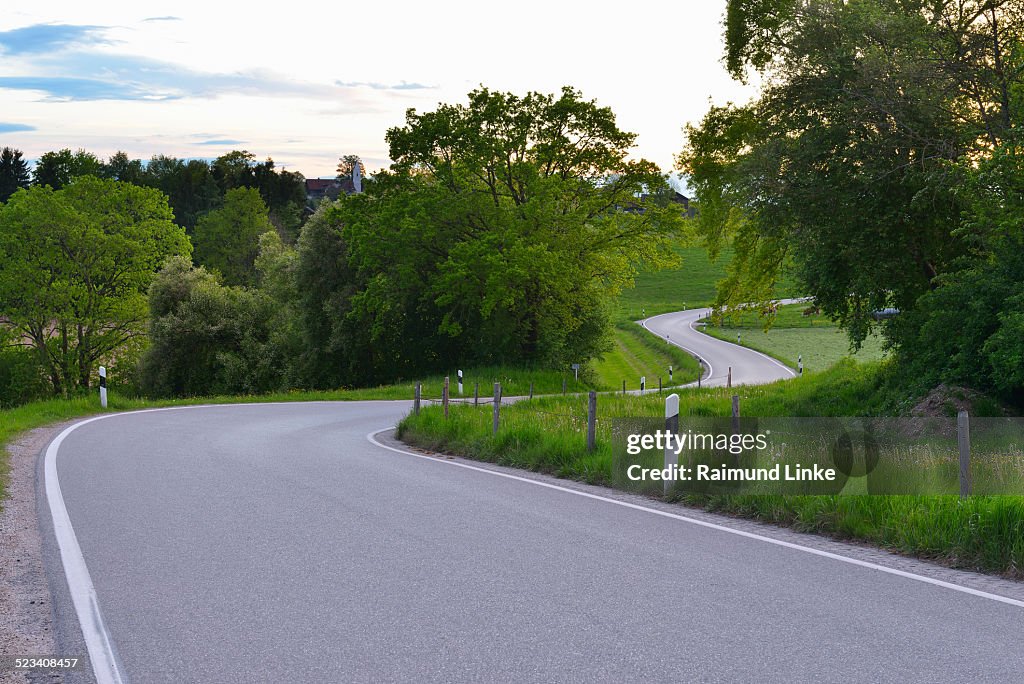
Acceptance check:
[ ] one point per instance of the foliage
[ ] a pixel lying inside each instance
(21, 377)
(75, 265)
(189, 186)
(13, 172)
(227, 239)
(850, 165)
(207, 338)
(57, 169)
(968, 329)
(284, 192)
(122, 168)
(499, 235)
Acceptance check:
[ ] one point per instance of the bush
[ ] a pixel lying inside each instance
(207, 338)
(21, 377)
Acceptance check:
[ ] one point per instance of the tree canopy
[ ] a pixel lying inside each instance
(13, 172)
(227, 239)
(75, 265)
(856, 167)
(500, 232)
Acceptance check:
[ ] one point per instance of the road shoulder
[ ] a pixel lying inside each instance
(26, 604)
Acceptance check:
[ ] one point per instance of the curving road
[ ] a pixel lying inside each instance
(748, 367)
(278, 543)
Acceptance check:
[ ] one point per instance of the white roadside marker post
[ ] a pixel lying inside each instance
(460, 383)
(643, 384)
(670, 373)
(103, 386)
(800, 363)
(672, 428)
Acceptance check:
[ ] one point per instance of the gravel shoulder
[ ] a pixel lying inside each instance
(26, 605)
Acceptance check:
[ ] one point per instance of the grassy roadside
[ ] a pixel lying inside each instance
(548, 435)
(638, 353)
(794, 335)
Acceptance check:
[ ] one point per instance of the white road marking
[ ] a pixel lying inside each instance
(83, 594)
(702, 523)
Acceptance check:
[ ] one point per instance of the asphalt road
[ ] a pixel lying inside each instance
(748, 367)
(274, 543)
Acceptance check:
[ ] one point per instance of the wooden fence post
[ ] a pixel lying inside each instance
(444, 396)
(963, 438)
(497, 404)
(592, 421)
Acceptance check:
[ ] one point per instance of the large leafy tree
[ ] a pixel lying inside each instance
(57, 169)
(13, 172)
(188, 184)
(850, 164)
(227, 239)
(499, 233)
(75, 265)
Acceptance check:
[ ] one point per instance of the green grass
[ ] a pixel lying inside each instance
(638, 353)
(690, 284)
(792, 335)
(549, 435)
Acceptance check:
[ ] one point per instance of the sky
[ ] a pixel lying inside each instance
(308, 83)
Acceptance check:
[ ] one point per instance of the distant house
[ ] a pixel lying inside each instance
(318, 189)
(675, 198)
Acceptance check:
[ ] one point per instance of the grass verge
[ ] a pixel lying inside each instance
(638, 353)
(549, 435)
(793, 335)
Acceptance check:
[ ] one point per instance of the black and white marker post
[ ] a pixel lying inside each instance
(670, 373)
(643, 383)
(800, 363)
(672, 428)
(103, 386)
(460, 383)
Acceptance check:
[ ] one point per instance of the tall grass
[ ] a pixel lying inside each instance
(549, 435)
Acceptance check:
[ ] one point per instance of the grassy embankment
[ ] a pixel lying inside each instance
(793, 334)
(635, 353)
(548, 435)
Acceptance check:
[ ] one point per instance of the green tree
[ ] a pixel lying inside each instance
(347, 164)
(57, 169)
(227, 239)
(849, 166)
(500, 233)
(208, 338)
(189, 186)
(75, 265)
(13, 172)
(122, 168)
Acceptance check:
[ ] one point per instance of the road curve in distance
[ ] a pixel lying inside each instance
(749, 367)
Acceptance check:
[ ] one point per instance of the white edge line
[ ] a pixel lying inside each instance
(778, 363)
(721, 528)
(695, 355)
(97, 638)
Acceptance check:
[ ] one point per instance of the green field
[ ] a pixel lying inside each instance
(690, 284)
(794, 335)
